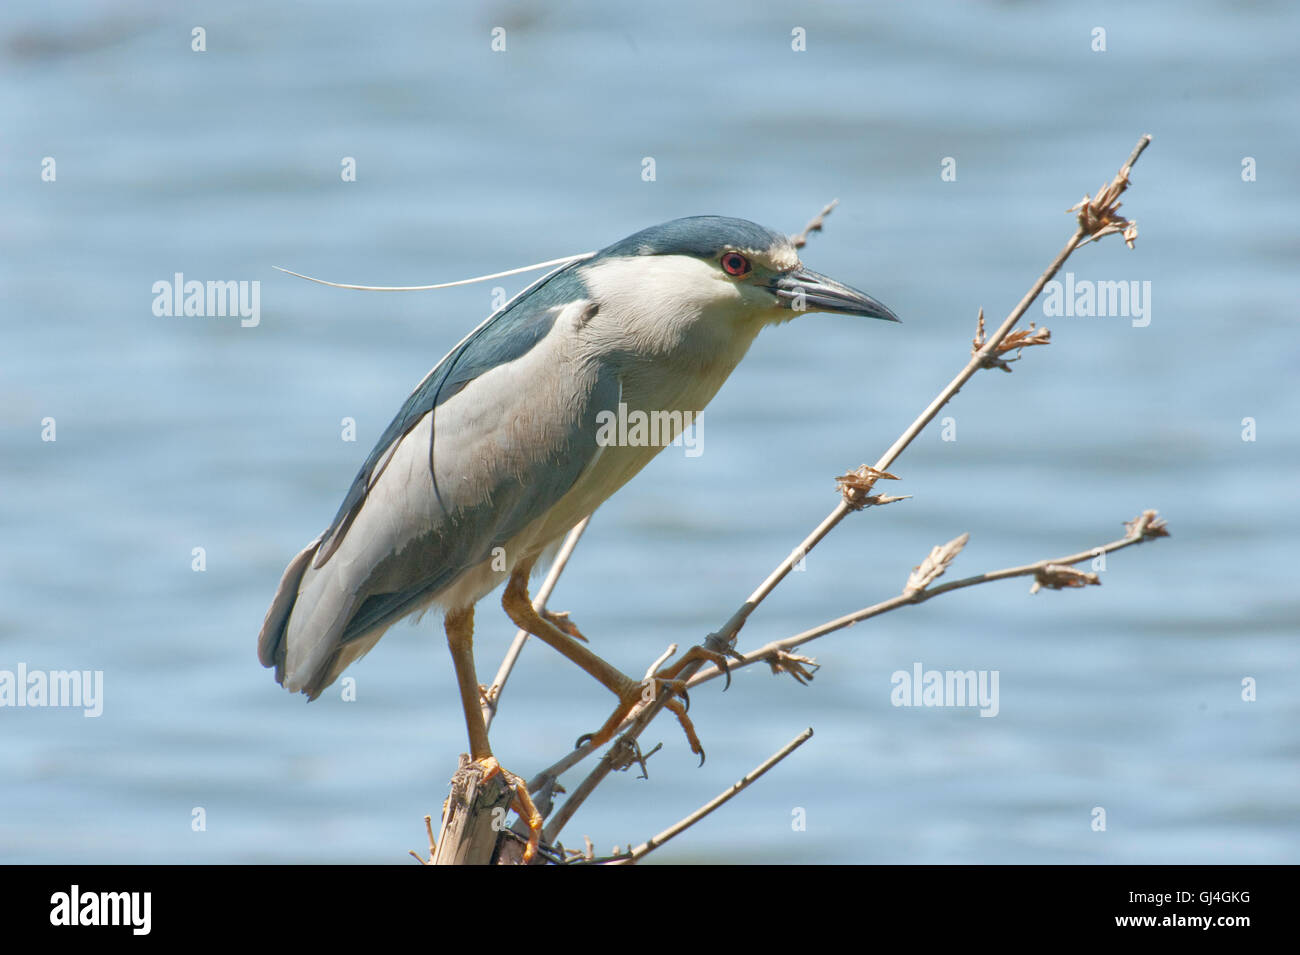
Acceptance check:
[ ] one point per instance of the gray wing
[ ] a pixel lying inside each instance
(505, 336)
(429, 504)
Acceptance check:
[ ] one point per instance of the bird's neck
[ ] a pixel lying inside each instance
(682, 367)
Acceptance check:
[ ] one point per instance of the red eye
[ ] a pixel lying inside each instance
(733, 263)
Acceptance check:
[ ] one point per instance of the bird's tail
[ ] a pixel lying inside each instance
(273, 639)
(310, 635)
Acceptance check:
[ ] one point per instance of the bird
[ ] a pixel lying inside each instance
(499, 451)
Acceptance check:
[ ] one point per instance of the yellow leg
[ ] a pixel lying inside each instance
(459, 625)
(631, 693)
(519, 607)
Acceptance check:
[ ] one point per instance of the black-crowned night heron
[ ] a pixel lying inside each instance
(500, 450)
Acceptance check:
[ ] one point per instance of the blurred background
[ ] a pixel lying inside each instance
(176, 433)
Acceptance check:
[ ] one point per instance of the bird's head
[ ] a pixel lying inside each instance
(719, 267)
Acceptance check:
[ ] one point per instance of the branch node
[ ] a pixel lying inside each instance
(1021, 338)
(1100, 217)
(1147, 526)
(627, 753)
(1057, 576)
(856, 486)
(932, 568)
(800, 667)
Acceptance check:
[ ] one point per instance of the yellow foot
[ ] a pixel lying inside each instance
(645, 692)
(522, 803)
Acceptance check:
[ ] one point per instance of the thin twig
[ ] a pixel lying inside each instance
(800, 239)
(433, 846)
(645, 848)
(493, 697)
(1094, 216)
(1146, 527)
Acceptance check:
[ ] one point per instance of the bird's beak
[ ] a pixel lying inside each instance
(807, 291)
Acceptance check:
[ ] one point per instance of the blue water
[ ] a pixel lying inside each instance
(177, 433)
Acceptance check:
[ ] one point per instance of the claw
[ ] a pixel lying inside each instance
(725, 667)
(688, 727)
(722, 664)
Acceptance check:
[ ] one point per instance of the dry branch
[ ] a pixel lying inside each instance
(1145, 527)
(1096, 218)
